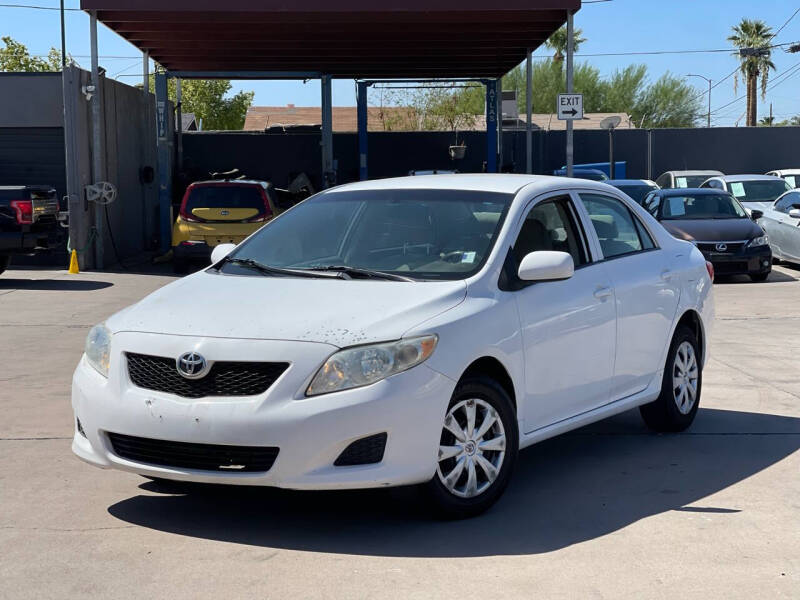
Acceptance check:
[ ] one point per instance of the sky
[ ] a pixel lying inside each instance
(616, 26)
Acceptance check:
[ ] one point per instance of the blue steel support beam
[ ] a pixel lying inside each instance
(491, 126)
(164, 174)
(361, 101)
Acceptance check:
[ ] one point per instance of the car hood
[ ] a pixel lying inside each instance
(712, 230)
(332, 311)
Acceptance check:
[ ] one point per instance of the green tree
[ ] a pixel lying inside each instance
(750, 33)
(549, 80)
(206, 98)
(669, 102)
(558, 43)
(14, 57)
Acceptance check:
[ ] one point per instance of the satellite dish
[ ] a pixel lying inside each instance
(611, 122)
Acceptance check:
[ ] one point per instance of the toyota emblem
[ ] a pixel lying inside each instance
(192, 365)
(722, 247)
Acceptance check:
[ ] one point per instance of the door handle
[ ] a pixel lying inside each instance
(603, 293)
(667, 275)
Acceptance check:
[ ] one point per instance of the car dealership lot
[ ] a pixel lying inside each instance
(608, 511)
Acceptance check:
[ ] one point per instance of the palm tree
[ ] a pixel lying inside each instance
(755, 34)
(558, 42)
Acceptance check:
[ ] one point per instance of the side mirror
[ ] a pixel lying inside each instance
(756, 214)
(221, 251)
(795, 213)
(546, 265)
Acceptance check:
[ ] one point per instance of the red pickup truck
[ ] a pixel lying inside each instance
(28, 221)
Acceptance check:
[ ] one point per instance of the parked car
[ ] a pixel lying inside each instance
(753, 191)
(635, 188)
(219, 212)
(719, 226)
(588, 174)
(418, 330)
(685, 179)
(28, 221)
(781, 221)
(792, 176)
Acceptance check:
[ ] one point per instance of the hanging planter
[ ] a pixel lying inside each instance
(458, 152)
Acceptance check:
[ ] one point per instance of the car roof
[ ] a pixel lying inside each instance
(629, 182)
(781, 172)
(505, 183)
(735, 178)
(710, 173)
(693, 191)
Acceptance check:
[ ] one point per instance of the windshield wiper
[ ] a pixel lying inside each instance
(367, 273)
(249, 263)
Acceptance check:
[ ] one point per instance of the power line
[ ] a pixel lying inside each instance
(732, 73)
(787, 74)
(34, 7)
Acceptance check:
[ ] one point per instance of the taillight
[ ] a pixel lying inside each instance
(710, 269)
(186, 216)
(24, 211)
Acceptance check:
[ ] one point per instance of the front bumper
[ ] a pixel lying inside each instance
(309, 432)
(752, 261)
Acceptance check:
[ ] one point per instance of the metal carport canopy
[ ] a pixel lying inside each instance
(345, 39)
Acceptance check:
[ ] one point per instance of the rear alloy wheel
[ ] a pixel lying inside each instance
(477, 449)
(5, 260)
(676, 407)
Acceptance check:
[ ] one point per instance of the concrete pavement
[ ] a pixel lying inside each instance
(610, 511)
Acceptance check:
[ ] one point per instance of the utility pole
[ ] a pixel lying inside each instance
(709, 94)
(570, 52)
(63, 39)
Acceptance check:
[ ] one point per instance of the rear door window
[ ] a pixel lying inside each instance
(617, 228)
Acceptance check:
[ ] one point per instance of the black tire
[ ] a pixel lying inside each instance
(759, 277)
(449, 505)
(5, 260)
(664, 415)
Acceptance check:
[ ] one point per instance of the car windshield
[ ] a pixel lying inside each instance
(225, 196)
(701, 206)
(764, 190)
(637, 192)
(691, 181)
(421, 234)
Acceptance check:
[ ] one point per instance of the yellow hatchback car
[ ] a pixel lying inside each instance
(219, 212)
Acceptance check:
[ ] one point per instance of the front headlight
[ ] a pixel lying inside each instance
(98, 348)
(761, 240)
(364, 365)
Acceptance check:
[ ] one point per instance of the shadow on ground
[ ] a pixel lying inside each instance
(774, 277)
(53, 285)
(565, 491)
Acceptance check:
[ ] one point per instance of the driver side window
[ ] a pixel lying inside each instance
(552, 225)
(788, 202)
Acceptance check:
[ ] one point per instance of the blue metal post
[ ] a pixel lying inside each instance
(361, 101)
(491, 126)
(164, 174)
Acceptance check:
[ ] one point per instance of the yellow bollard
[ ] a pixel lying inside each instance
(73, 263)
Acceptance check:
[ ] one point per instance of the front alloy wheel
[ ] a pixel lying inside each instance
(477, 449)
(676, 407)
(472, 448)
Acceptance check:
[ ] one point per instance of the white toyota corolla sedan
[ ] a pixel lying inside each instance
(408, 331)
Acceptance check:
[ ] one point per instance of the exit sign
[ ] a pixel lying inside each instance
(570, 107)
